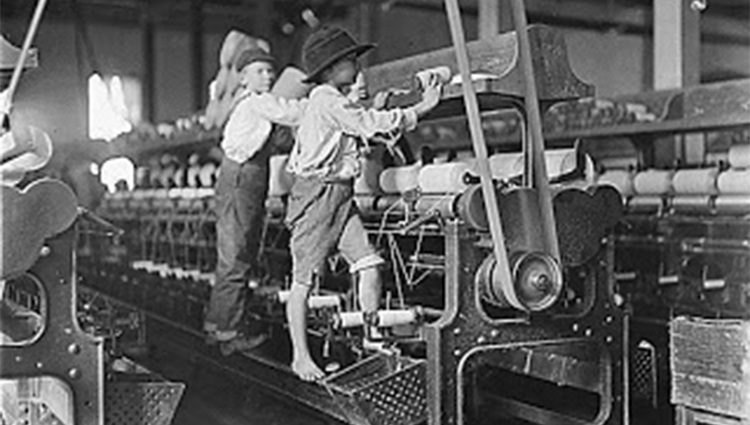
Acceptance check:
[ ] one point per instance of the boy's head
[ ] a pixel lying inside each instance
(256, 69)
(330, 56)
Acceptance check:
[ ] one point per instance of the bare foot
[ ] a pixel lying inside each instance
(306, 369)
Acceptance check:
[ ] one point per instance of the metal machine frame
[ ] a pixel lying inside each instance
(78, 358)
(465, 331)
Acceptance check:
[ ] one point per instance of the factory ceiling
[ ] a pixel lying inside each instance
(220, 13)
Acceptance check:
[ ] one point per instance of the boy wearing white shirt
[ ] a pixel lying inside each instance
(321, 213)
(241, 191)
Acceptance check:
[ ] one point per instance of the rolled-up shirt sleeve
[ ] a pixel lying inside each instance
(360, 121)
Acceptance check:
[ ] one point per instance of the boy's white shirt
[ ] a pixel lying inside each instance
(251, 120)
(326, 142)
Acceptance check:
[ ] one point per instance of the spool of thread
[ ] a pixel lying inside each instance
(560, 161)
(350, 319)
(739, 156)
(564, 161)
(390, 318)
(442, 73)
(733, 204)
(653, 182)
(444, 205)
(193, 274)
(209, 278)
(622, 180)
(161, 194)
(368, 182)
(205, 192)
(279, 179)
(141, 177)
(505, 166)
(160, 268)
(699, 181)
(452, 177)
(647, 203)
(734, 182)
(189, 192)
(140, 264)
(314, 301)
(323, 301)
(178, 179)
(399, 179)
(192, 175)
(691, 204)
(207, 175)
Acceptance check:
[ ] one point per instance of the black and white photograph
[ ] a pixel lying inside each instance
(375, 212)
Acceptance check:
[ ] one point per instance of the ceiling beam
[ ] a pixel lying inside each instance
(605, 16)
(723, 22)
(173, 15)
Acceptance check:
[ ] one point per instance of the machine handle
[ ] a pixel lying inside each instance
(109, 228)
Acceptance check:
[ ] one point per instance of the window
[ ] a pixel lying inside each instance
(115, 106)
(118, 172)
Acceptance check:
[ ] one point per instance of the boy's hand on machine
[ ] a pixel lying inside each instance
(430, 95)
(306, 369)
(381, 99)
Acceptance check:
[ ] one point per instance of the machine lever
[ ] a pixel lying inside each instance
(109, 228)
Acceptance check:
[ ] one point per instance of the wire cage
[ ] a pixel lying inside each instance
(140, 397)
(381, 390)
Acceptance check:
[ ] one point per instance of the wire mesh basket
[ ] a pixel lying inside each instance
(141, 399)
(381, 390)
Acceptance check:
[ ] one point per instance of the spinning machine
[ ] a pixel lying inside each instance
(502, 312)
(525, 283)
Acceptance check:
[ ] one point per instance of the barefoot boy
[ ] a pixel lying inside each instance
(321, 214)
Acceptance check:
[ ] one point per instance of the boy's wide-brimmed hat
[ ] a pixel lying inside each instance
(326, 46)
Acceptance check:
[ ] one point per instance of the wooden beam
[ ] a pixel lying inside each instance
(489, 18)
(676, 45)
(636, 19)
(196, 47)
(149, 71)
(368, 17)
(677, 64)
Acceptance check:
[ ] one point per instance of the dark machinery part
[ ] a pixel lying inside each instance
(54, 365)
(536, 286)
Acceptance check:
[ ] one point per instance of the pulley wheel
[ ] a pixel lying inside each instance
(537, 282)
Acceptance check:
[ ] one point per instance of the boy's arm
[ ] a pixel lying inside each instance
(368, 122)
(360, 121)
(278, 109)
